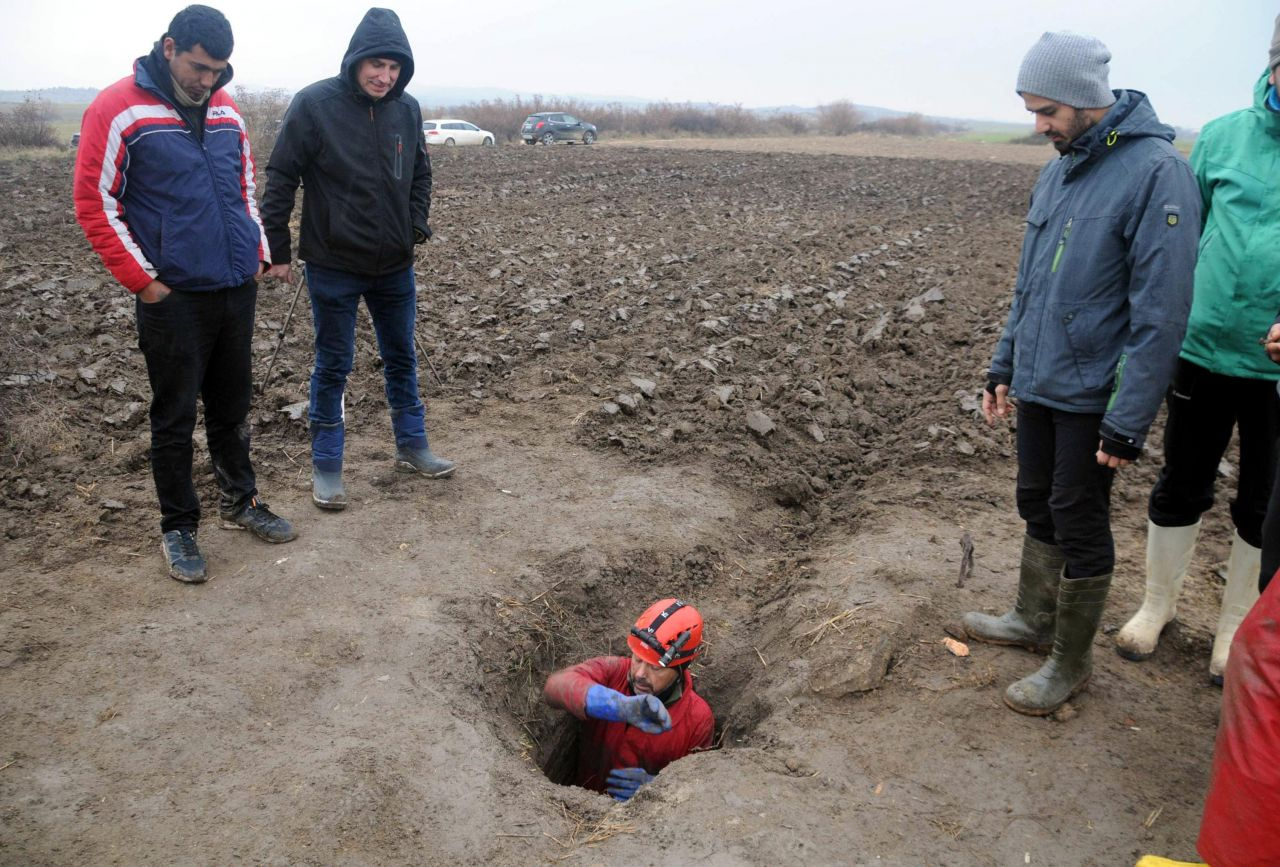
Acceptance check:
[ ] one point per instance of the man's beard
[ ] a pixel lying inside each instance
(1080, 125)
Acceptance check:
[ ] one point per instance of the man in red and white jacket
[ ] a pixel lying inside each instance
(164, 187)
(639, 714)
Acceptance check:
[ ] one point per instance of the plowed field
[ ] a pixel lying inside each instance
(747, 379)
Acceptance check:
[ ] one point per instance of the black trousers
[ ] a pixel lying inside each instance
(1063, 494)
(1204, 408)
(199, 344)
(1271, 529)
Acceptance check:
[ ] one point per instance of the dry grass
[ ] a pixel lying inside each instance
(32, 429)
(836, 623)
(22, 154)
(586, 831)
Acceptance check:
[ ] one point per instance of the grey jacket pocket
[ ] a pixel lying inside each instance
(1092, 337)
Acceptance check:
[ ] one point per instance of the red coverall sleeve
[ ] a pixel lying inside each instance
(567, 688)
(99, 180)
(702, 731)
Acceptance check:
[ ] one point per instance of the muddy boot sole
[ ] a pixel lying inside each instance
(972, 630)
(186, 577)
(230, 524)
(1001, 642)
(1026, 710)
(276, 534)
(329, 493)
(1139, 656)
(1133, 655)
(408, 468)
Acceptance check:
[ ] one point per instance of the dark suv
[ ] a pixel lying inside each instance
(550, 127)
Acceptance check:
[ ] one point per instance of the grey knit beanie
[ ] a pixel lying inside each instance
(1069, 69)
(1274, 60)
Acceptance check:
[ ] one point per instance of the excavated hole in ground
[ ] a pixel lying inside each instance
(587, 613)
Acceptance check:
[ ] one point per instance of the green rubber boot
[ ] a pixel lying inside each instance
(1066, 672)
(1030, 623)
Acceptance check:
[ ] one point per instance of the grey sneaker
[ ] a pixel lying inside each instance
(423, 462)
(181, 552)
(258, 519)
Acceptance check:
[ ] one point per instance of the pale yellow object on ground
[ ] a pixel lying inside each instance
(1157, 861)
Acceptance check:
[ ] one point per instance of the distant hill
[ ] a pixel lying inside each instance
(449, 97)
(867, 112)
(76, 95)
(445, 97)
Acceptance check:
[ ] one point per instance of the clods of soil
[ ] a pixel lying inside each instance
(747, 379)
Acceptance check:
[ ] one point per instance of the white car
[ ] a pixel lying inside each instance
(450, 131)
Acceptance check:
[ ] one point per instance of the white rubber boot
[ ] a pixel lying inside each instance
(1238, 597)
(1169, 552)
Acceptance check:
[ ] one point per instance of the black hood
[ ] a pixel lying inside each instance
(158, 69)
(379, 34)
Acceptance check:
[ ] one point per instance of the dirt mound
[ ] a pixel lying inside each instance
(746, 378)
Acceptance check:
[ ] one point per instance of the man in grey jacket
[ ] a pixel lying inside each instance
(1098, 316)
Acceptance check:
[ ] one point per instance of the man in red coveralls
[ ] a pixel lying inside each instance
(639, 714)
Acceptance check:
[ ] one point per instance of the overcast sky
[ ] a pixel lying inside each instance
(1196, 60)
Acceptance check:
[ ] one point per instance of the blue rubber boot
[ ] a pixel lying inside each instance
(413, 453)
(327, 442)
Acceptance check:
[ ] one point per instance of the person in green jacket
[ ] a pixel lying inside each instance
(1224, 380)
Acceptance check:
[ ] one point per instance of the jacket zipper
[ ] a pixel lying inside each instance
(373, 128)
(1062, 245)
(399, 156)
(222, 211)
(208, 164)
(1115, 392)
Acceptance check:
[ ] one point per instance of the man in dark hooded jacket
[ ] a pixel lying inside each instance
(355, 143)
(1098, 316)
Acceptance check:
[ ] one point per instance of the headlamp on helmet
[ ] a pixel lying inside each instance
(667, 634)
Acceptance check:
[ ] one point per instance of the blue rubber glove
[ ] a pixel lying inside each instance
(645, 712)
(625, 782)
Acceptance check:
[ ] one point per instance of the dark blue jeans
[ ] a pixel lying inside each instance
(392, 302)
(199, 344)
(1063, 493)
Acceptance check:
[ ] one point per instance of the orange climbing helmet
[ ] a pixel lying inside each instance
(667, 634)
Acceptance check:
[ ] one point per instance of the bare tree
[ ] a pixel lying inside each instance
(263, 112)
(28, 124)
(914, 124)
(838, 118)
(793, 122)
(504, 117)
